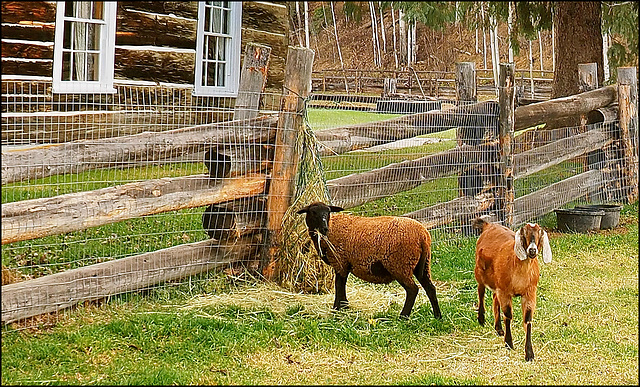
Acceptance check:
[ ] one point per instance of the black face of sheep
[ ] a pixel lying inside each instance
(375, 249)
(318, 215)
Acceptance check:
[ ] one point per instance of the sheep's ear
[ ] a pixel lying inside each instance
(303, 210)
(336, 208)
(546, 248)
(518, 248)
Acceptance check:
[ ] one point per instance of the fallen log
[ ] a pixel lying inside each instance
(79, 156)
(36, 218)
(68, 288)
(479, 117)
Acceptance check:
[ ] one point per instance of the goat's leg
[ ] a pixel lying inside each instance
(528, 307)
(341, 291)
(412, 291)
(496, 315)
(481, 290)
(505, 303)
(428, 286)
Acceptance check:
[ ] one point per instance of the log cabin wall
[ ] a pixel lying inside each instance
(154, 67)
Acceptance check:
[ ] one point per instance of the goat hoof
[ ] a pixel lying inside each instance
(508, 345)
(499, 331)
(528, 357)
(481, 320)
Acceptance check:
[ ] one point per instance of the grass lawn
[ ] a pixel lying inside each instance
(231, 330)
(225, 328)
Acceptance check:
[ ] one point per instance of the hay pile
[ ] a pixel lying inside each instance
(299, 269)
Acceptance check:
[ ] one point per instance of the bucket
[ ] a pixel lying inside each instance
(579, 220)
(611, 216)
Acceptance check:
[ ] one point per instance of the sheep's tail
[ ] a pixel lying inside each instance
(480, 222)
(424, 264)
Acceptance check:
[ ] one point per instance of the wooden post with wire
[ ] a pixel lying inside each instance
(628, 116)
(506, 100)
(297, 86)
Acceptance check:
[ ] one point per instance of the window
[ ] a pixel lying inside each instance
(218, 48)
(84, 47)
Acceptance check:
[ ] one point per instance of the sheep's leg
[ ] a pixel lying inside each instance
(528, 306)
(496, 315)
(481, 290)
(430, 288)
(341, 291)
(412, 291)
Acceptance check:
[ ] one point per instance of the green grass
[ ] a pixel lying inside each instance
(226, 332)
(219, 328)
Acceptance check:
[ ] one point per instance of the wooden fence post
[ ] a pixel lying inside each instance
(506, 100)
(628, 116)
(466, 89)
(253, 79)
(297, 86)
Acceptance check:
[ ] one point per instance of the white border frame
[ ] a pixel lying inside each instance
(107, 55)
(233, 68)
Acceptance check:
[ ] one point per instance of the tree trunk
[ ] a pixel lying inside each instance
(403, 37)
(395, 49)
(578, 38)
(384, 35)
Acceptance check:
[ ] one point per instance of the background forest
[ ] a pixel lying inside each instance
(436, 35)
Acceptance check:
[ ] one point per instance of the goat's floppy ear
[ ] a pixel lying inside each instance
(518, 248)
(546, 248)
(303, 210)
(336, 208)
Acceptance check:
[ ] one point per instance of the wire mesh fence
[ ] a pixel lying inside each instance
(159, 186)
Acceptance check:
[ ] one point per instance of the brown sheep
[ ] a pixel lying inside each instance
(375, 249)
(506, 263)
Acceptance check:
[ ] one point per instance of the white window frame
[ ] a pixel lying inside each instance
(232, 54)
(104, 84)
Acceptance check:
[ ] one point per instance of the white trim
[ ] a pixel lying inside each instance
(107, 54)
(157, 49)
(233, 54)
(33, 42)
(11, 59)
(25, 78)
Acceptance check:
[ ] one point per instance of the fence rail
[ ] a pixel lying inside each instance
(600, 154)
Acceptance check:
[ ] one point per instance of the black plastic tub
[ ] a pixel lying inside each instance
(611, 216)
(579, 220)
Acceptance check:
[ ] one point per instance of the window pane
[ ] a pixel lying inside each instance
(82, 9)
(216, 20)
(225, 22)
(68, 8)
(93, 36)
(79, 37)
(221, 74)
(210, 46)
(66, 41)
(93, 67)
(98, 10)
(221, 48)
(66, 66)
(211, 74)
(79, 66)
(207, 19)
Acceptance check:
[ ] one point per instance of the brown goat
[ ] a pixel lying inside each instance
(506, 263)
(377, 249)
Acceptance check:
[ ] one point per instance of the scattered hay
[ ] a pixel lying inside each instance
(365, 298)
(298, 267)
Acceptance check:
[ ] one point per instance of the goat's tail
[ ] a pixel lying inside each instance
(480, 221)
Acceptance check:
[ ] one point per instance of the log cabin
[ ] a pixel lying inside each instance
(71, 69)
